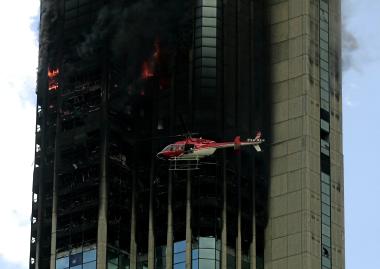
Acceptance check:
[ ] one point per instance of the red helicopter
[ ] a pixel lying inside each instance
(193, 149)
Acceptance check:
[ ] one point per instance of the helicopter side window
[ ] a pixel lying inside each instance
(169, 148)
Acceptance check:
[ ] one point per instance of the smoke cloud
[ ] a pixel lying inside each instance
(49, 16)
(350, 43)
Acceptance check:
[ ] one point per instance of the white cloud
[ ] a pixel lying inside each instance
(18, 63)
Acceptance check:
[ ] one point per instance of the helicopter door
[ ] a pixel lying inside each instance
(189, 148)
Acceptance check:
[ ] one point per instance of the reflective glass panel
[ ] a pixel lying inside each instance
(324, 55)
(62, 263)
(326, 240)
(326, 188)
(324, 6)
(325, 95)
(208, 72)
(209, 31)
(326, 262)
(325, 229)
(207, 253)
(75, 259)
(179, 266)
(112, 266)
(325, 199)
(324, 44)
(325, 178)
(206, 22)
(195, 254)
(76, 267)
(324, 16)
(326, 209)
(324, 26)
(89, 256)
(206, 242)
(324, 35)
(324, 65)
(179, 257)
(325, 219)
(211, 3)
(325, 105)
(206, 264)
(209, 11)
(325, 125)
(324, 84)
(195, 264)
(90, 265)
(206, 41)
(206, 62)
(179, 246)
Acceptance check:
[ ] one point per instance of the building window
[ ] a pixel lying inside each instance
(206, 253)
(79, 258)
(179, 257)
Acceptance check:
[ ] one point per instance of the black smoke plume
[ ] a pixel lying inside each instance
(131, 29)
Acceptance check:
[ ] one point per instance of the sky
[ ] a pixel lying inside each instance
(361, 127)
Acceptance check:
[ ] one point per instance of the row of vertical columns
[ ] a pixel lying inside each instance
(169, 248)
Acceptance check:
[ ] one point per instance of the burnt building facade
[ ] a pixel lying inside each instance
(116, 81)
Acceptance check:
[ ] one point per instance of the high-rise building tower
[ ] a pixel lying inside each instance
(118, 79)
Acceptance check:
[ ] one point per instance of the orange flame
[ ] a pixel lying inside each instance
(53, 76)
(149, 66)
(52, 73)
(147, 70)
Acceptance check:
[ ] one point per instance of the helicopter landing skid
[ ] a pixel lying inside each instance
(183, 164)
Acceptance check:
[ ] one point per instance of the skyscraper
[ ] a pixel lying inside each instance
(118, 79)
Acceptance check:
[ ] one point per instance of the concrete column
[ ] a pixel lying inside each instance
(53, 240)
(169, 236)
(188, 221)
(253, 257)
(101, 261)
(133, 246)
(151, 242)
(238, 243)
(238, 238)
(224, 217)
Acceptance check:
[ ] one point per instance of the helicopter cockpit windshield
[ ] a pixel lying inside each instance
(173, 147)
